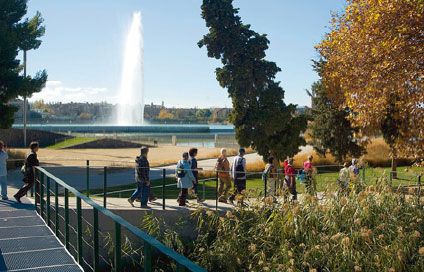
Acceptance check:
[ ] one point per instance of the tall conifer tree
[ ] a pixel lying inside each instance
(17, 34)
(261, 118)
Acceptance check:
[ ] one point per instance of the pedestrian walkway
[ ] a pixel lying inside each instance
(27, 244)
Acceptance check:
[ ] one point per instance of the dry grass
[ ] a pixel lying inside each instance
(16, 158)
(16, 154)
(378, 155)
(302, 156)
(119, 157)
(256, 166)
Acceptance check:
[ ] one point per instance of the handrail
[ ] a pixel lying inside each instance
(178, 258)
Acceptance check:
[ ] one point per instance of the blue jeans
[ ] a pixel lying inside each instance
(142, 190)
(3, 181)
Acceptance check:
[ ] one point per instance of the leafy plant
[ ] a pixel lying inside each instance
(373, 229)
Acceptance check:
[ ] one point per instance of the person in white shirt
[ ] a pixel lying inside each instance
(3, 170)
(344, 178)
(238, 173)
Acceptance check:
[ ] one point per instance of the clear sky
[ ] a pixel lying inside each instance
(82, 48)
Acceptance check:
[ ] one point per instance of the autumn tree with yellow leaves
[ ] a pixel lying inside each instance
(374, 65)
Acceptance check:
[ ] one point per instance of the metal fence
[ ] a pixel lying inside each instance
(209, 186)
(67, 223)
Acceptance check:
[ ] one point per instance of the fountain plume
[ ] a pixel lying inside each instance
(131, 92)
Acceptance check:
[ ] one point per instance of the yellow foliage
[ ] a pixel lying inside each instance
(164, 114)
(374, 62)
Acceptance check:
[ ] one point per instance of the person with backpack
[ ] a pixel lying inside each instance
(3, 170)
(238, 173)
(142, 172)
(193, 162)
(270, 177)
(185, 178)
(28, 170)
(223, 168)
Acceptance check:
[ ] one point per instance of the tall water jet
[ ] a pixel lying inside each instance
(131, 94)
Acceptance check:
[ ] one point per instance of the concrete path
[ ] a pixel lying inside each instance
(76, 176)
(27, 244)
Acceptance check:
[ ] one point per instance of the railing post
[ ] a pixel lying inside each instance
(163, 187)
(147, 250)
(79, 231)
(66, 218)
(48, 200)
(88, 178)
(42, 196)
(56, 209)
(96, 240)
(118, 247)
(216, 190)
(104, 186)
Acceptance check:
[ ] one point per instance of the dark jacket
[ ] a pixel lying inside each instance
(142, 169)
(193, 162)
(30, 161)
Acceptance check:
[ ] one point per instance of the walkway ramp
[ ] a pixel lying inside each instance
(27, 244)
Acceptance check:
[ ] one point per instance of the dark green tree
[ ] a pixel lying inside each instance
(17, 34)
(203, 114)
(330, 128)
(261, 118)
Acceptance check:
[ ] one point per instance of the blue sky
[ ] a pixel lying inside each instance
(82, 48)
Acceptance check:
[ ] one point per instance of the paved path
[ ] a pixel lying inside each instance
(76, 176)
(27, 244)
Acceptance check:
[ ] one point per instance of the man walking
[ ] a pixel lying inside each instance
(223, 169)
(142, 178)
(193, 162)
(238, 173)
(3, 170)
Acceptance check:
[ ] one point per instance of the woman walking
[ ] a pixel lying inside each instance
(223, 168)
(29, 177)
(270, 177)
(185, 178)
(308, 169)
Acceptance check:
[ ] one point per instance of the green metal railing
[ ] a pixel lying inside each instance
(151, 246)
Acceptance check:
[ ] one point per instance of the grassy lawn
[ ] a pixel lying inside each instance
(325, 180)
(71, 142)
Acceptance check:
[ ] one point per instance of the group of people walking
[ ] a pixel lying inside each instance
(230, 175)
(187, 177)
(277, 186)
(27, 169)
